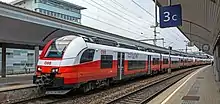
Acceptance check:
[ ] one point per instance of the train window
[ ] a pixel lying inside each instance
(174, 62)
(87, 55)
(136, 64)
(156, 61)
(106, 61)
(165, 61)
(181, 60)
(58, 47)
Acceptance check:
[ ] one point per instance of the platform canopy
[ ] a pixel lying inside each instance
(201, 23)
(25, 27)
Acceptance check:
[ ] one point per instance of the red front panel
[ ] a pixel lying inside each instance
(69, 73)
(83, 72)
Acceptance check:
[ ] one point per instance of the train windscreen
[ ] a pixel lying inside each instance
(58, 46)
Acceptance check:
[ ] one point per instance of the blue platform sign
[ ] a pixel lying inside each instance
(170, 16)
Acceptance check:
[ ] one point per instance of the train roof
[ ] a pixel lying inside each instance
(118, 49)
(99, 43)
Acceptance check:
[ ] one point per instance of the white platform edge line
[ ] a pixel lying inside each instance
(168, 98)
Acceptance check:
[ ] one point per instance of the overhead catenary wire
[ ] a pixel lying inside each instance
(119, 15)
(114, 16)
(133, 14)
(109, 24)
(143, 9)
(175, 36)
(122, 12)
(167, 38)
(171, 33)
(117, 3)
(176, 33)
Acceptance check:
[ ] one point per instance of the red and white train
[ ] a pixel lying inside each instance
(72, 62)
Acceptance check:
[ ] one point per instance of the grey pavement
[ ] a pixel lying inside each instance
(16, 80)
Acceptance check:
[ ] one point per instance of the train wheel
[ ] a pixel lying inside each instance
(93, 85)
(87, 87)
(107, 82)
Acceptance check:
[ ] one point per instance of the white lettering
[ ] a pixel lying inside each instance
(174, 17)
(167, 16)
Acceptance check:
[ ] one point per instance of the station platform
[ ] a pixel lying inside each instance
(16, 81)
(198, 87)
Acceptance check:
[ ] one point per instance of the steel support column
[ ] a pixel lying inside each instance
(3, 71)
(217, 63)
(170, 61)
(155, 28)
(36, 48)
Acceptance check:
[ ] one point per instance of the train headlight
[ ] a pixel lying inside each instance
(55, 70)
(39, 69)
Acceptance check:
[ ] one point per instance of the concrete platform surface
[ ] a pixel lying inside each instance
(16, 78)
(12, 82)
(198, 87)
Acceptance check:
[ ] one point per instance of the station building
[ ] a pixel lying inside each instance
(54, 8)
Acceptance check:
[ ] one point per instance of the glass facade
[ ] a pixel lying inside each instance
(58, 9)
(19, 61)
(55, 8)
(54, 3)
(58, 15)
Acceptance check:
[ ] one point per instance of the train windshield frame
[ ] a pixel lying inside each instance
(58, 47)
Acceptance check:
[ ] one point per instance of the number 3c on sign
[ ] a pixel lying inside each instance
(170, 16)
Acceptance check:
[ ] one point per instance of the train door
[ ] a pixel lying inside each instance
(149, 64)
(183, 60)
(120, 64)
(161, 59)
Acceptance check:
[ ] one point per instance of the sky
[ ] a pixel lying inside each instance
(126, 18)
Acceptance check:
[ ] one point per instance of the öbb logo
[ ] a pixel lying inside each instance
(47, 63)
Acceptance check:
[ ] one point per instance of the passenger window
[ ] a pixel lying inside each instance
(106, 61)
(87, 55)
(156, 61)
(136, 64)
(165, 61)
(174, 62)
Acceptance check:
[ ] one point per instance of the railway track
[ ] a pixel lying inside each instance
(42, 100)
(140, 94)
(146, 93)
(50, 99)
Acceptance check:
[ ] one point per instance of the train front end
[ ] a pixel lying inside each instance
(55, 70)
